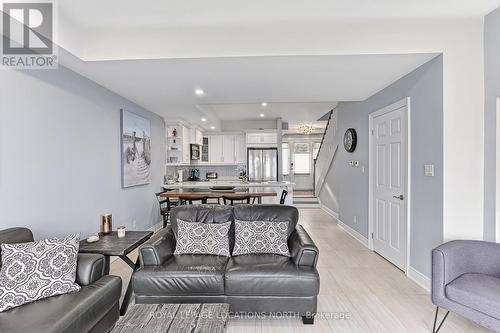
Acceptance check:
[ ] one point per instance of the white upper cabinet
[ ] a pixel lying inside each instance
(215, 150)
(239, 149)
(228, 148)
(262, 139)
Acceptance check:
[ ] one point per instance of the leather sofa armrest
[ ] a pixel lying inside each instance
(158, 248)
(302, 248)
(90, 268)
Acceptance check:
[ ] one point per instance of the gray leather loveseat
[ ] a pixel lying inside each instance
(94, 308)
(259, 283)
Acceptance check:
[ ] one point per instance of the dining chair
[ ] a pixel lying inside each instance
(284, 193)
(166, 205)
(244, 199)
(197, 199)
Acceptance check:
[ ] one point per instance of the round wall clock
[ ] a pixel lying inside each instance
(350, 140)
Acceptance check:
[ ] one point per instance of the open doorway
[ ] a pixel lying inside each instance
(298, 168)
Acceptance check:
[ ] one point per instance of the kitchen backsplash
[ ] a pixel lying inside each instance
(223, 171)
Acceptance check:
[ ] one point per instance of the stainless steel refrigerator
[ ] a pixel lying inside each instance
(262, 164)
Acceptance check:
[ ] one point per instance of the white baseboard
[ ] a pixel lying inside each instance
(359, 237)
(328, 210)
(419, 278)
(413, 274)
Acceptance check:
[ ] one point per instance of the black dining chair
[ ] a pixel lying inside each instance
(232, 200)
(202, 199)
(284, 193)
(166, 205)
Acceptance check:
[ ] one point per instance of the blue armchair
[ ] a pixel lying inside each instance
(466, 281)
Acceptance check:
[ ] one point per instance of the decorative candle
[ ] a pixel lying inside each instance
(121, 231)
(106, 224)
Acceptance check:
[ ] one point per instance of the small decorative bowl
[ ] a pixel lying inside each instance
(92, 239)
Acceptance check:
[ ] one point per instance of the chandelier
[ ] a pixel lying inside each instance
(306, 128)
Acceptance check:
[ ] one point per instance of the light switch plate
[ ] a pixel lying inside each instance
(429, 170)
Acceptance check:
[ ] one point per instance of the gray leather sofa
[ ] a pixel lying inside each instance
(466, 281)
(250, 283)
(94, 308)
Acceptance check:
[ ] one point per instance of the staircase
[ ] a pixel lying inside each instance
(326, 152)
(305, 199)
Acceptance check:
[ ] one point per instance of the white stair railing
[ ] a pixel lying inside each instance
(327, 152)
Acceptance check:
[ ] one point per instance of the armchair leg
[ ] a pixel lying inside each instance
(308, 320)
(435, 320)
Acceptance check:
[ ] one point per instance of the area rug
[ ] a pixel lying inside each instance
(174, 318)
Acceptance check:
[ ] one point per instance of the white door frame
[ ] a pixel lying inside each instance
(405, 102)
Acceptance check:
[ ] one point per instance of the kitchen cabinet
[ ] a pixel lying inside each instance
(259, 139)
(224, 149)
(228, 149)
(240, 150)
(216, 150)
(205, 148)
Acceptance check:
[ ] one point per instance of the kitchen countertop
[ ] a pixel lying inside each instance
(236, 183)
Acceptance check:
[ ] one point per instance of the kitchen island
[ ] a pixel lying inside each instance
(277, 186)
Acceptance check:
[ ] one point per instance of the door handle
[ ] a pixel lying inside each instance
(400, 197)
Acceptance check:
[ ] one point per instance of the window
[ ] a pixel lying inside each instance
(302, 159)
(316, 146)
(284, 157)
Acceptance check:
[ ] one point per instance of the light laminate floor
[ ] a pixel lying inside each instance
(375, 295)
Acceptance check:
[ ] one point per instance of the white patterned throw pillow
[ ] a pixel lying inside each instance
(202, 238)
(261, 237)
(36, 270)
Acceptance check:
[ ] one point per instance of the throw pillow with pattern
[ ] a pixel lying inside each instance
(261, 237)
(36, 270)
(202, 238)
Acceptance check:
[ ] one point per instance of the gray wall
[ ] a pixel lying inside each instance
(492, 91)
(60, 155)
(346, 188)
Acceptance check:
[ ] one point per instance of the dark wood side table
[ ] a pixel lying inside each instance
(110, 245)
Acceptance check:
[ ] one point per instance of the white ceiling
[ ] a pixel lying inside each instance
(154, 13)
(166, 86)
(294, 113)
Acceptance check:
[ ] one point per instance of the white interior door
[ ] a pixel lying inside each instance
(388, 174)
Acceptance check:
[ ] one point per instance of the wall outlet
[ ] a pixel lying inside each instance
(355, 219)
(429, 170)
(134, 225)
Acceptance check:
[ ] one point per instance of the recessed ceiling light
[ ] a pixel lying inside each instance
(264, 104)
(199, 92)
(212, 127)
(262, 115)
(203, 119)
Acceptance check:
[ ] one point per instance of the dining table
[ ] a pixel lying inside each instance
(252, 192)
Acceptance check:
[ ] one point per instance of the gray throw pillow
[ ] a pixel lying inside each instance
(202, 238)
(261, 237)
(36, 270)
